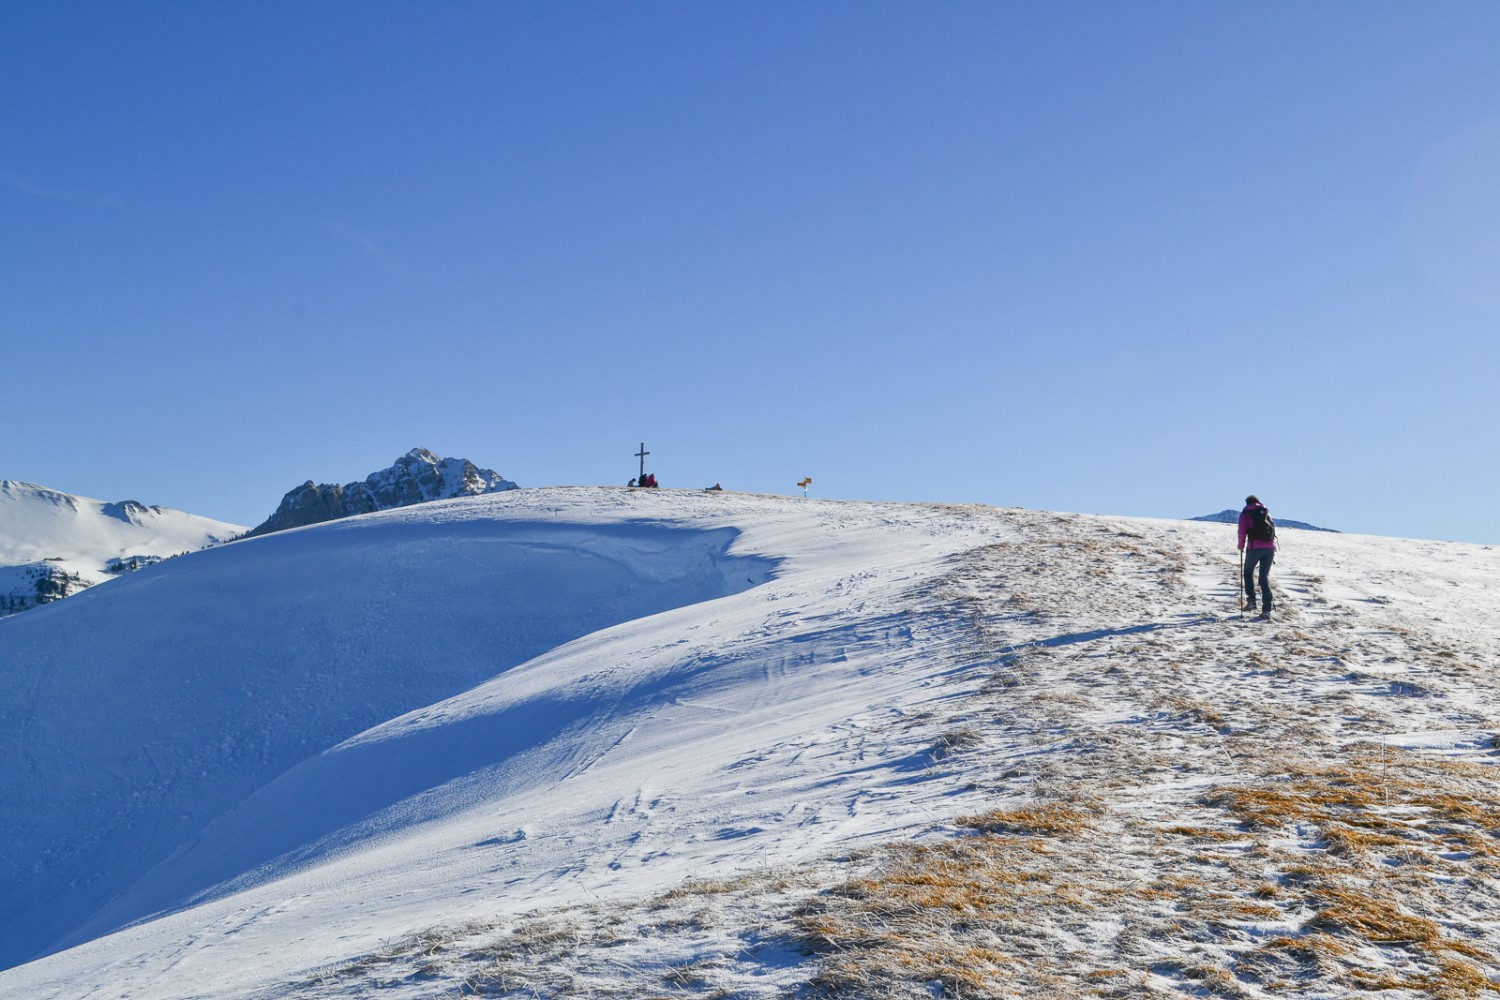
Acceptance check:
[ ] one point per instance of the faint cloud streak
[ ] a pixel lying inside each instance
(27, 186)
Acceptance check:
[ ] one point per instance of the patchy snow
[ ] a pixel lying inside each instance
(603, 742)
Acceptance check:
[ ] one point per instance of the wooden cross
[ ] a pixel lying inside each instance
(642, 456)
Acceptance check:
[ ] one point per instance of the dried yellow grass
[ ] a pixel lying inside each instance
(1392, 802)
(1046, 819)
(942, 912)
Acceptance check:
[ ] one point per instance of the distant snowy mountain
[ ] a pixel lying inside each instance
(600, 742)
(1233, 516)
(416, 477)
(53, 544)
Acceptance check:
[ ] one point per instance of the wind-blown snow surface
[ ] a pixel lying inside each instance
(248, 772)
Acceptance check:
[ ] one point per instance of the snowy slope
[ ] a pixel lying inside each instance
(661, 722)
(80, 537)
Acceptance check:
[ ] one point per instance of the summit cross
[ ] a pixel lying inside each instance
(642, 456)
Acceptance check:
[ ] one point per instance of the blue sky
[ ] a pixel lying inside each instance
(1129, 258)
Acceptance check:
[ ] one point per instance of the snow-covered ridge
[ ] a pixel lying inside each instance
(1117, 783)
(188, 689)
(53, 544)
(416, 477)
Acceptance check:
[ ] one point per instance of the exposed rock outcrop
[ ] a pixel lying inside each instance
(417, 476)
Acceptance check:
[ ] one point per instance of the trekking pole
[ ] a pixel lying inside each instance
(1239, 584)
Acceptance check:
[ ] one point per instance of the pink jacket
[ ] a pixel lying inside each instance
(1255, 543)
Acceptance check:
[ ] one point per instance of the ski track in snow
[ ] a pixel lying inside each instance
(698, 775)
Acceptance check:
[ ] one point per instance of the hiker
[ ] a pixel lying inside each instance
(1258, 546)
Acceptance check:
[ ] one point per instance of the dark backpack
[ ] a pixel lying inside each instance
(1262, 528)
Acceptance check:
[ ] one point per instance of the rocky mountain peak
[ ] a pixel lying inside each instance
(418, 476)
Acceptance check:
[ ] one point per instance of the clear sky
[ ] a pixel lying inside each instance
(1111, 257)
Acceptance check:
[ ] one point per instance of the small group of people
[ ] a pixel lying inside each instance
(1258, 550)
(649, 482)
